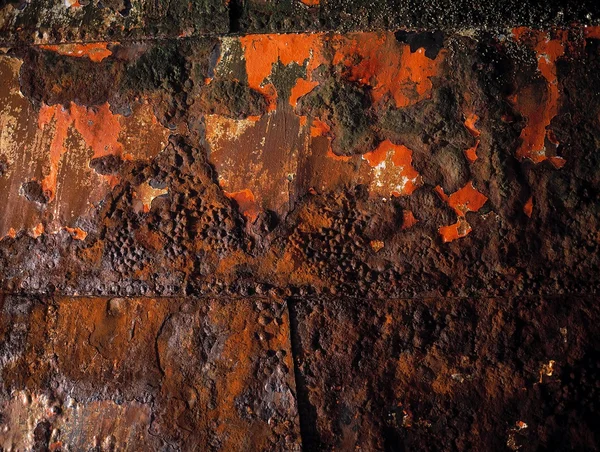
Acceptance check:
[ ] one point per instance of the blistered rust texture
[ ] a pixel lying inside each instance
(76, 21)
(448, 374)
(373, 164)
(146, 374)
(350, 174)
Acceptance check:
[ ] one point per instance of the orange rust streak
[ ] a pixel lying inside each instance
(262, 51)
(301, 88)
(470, 122)
(408, 220)
(528, 207)
(246, 202)
(538, 116)
(591, 32)
(62, 122)
(388, 66)
(557, 162)
(96, 51)
(471, 153)
(340, 158)
(440, 191)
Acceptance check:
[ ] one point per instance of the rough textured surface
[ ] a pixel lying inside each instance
(353, 164)
(378, 233)
(152, 374)
(447, 374)
(67, 21)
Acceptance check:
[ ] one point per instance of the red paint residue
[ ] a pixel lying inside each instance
(401, 169)
(98, 127)
(96, 51)
(470, 122)
(539, 114)
(528, 207)
(467, 199)
(247, 203)
(261, 52)
(408, 220)
(301, 88)
(389, 67)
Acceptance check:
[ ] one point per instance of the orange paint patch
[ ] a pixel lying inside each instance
(389, 67)
(311, 2)
(408, 220)
(591, 32)
(247, 203)
(392, 169)
(470, 122)
(319, 128)
(98, 127)
(96, 52)
(261, 52)
(471, 153)
(539, 115)
(73, 4)
(455, 231)
(467, 199)
(76, 233)
(528, 207)
(301, 88)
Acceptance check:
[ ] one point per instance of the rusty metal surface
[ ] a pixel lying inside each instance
(75, 21)
(447, 374)
(146, 374)
(372, 240)
(313, 163)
